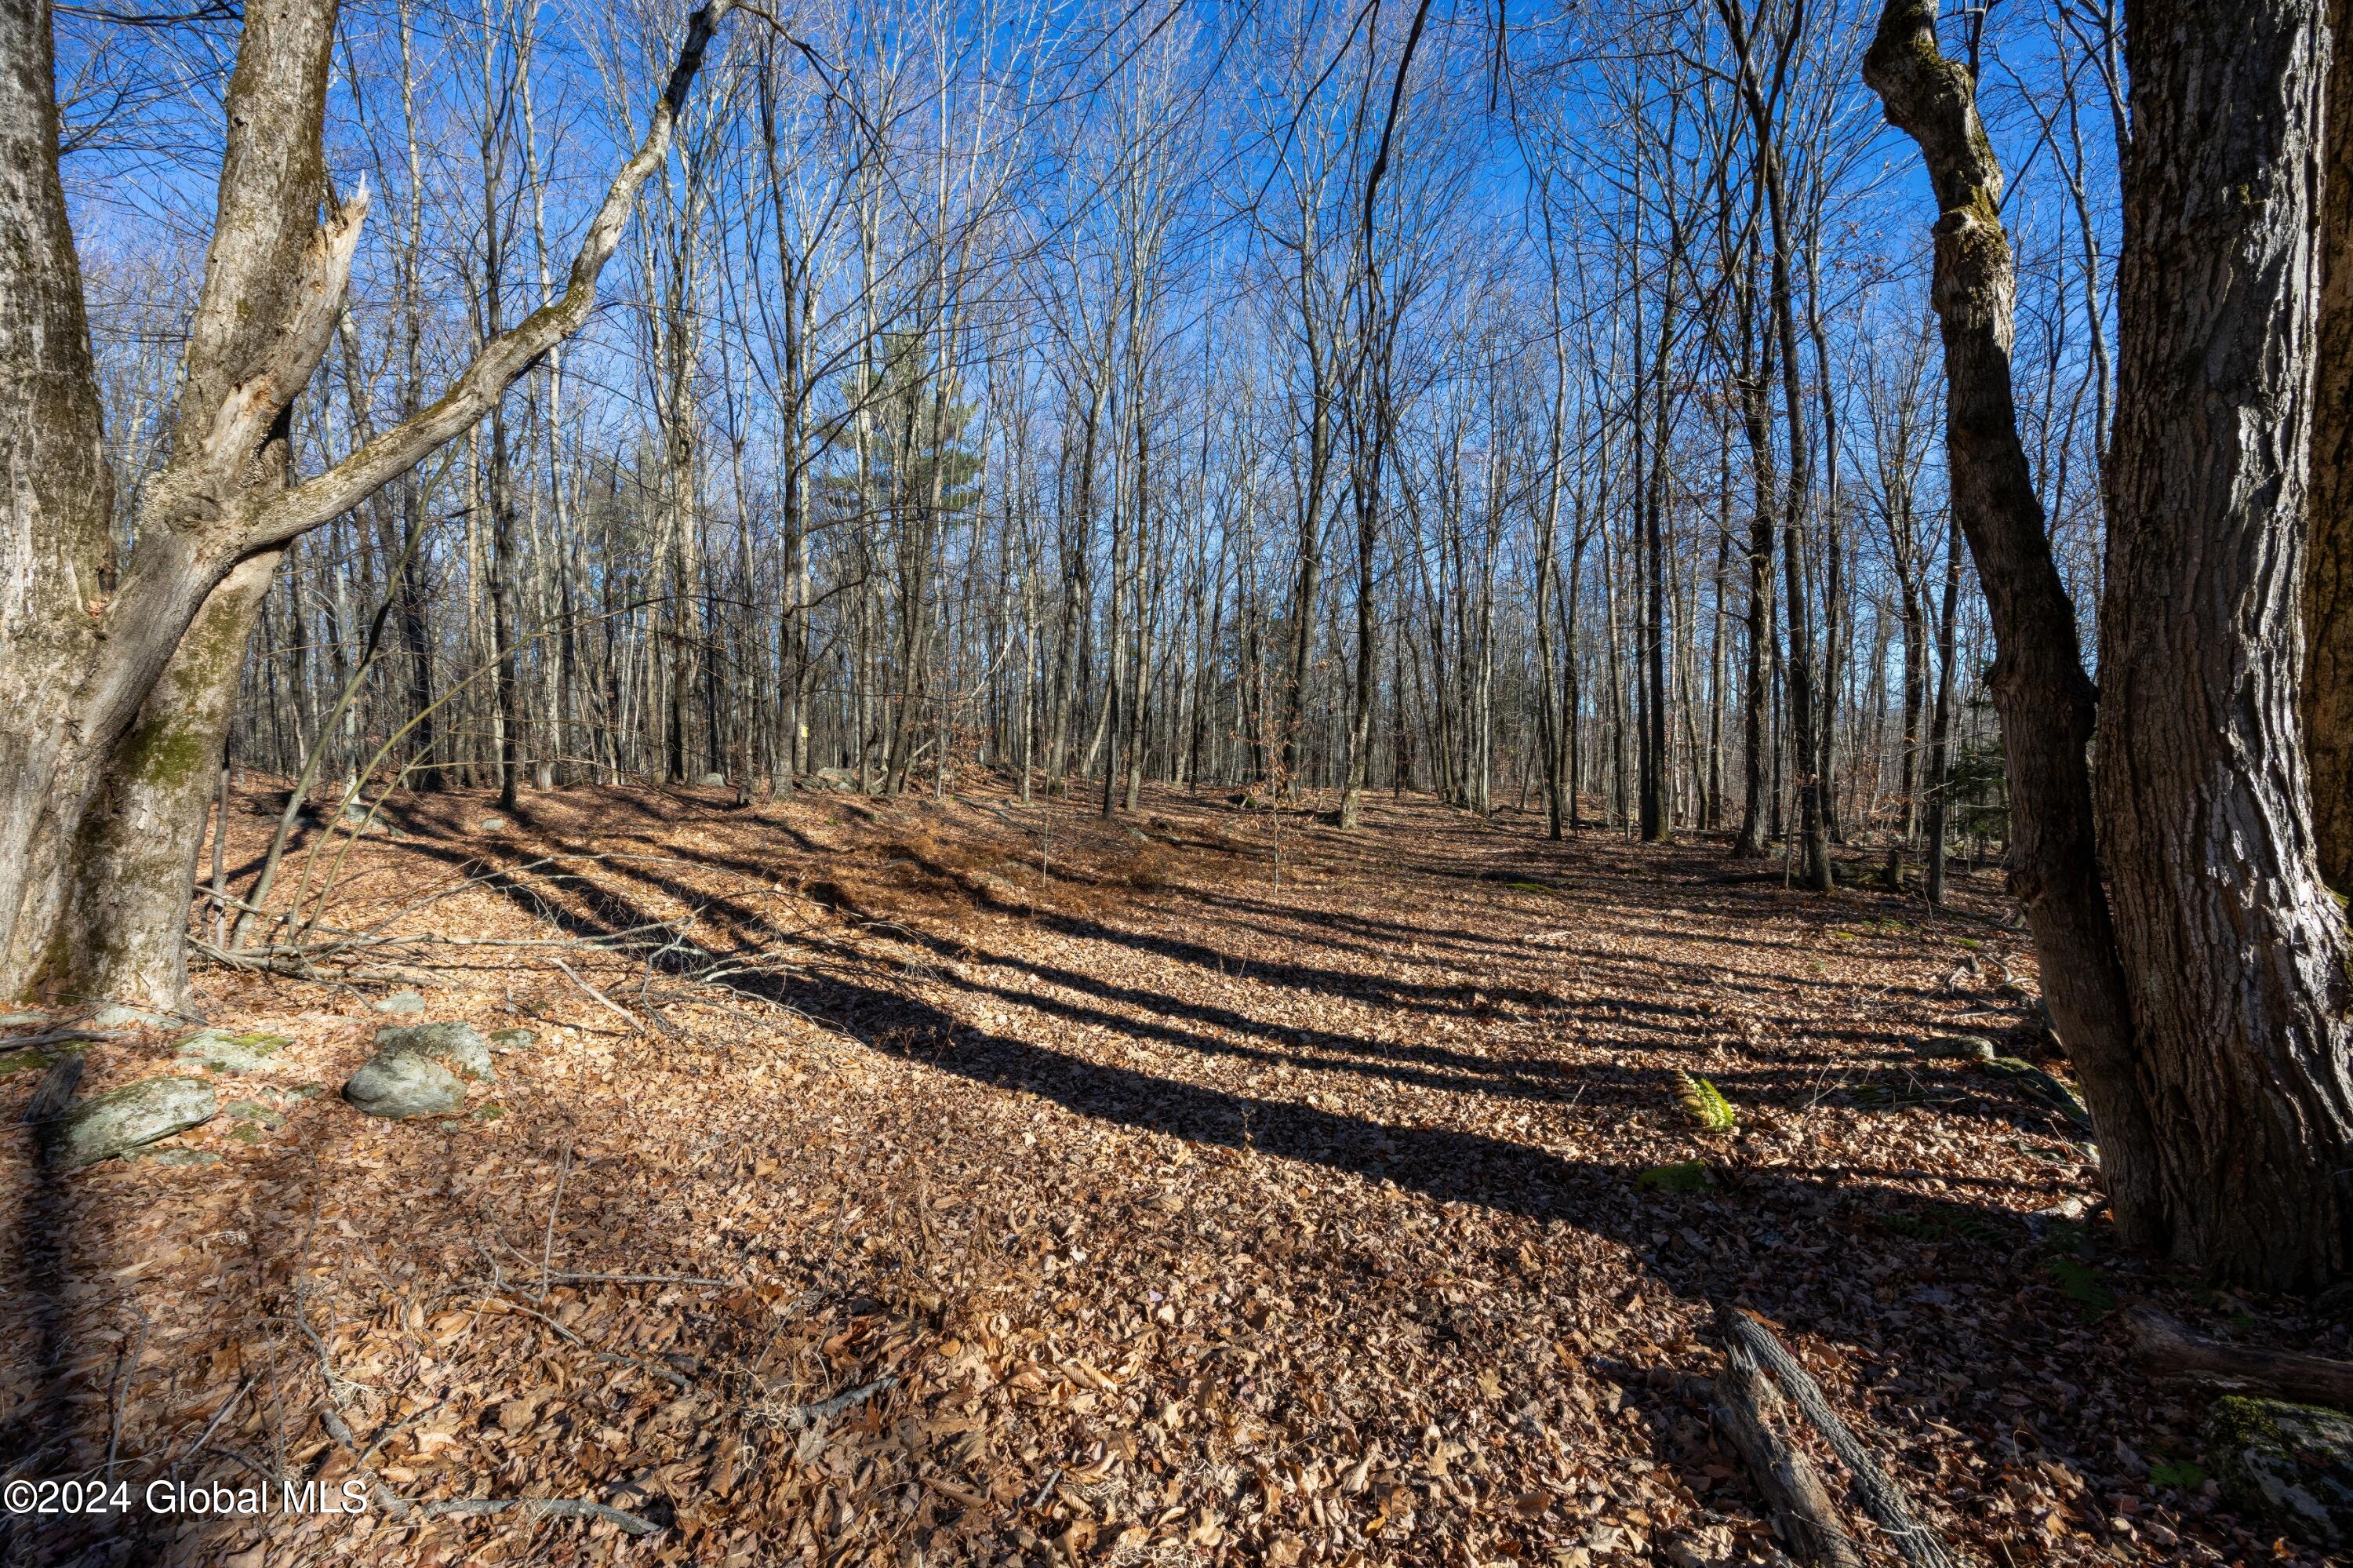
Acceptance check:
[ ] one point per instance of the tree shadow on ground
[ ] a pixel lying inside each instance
(1450, 1165)
(599, 910)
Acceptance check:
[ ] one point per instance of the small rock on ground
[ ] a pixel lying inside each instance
(400, 1001)
(231, 1053)
(401, 1084)
(415, 1068)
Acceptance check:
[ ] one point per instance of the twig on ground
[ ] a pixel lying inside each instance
(336, 1382)
(547, 1242)
(801, 1415)
(393, 1503)
(600, 996)
(122, 1390)
(668, 1375)
(213, 1425)
(613, 1357)
(544, 1507)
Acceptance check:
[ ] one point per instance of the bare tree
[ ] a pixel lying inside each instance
(101, 681)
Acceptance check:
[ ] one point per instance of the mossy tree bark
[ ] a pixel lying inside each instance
(137, 858)
(91, 738)
(2045, 698)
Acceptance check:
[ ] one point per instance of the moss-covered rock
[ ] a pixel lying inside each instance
(458, 1046)
(224, 1052)
(401, 1084)
(2290, 1466)
(1683, 1176)
(415, 1070)
(122, 1120)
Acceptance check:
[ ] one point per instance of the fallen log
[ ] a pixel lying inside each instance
(1744, 1407)
(2168, 1349)
(1882, 1496)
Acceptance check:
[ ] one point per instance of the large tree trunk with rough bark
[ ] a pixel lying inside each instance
(107, 697)
(135, 863)
(2043, 696)
(274, 277)
(2236, 952)
(2327, 696)
(57, 565)
(2204, 1000)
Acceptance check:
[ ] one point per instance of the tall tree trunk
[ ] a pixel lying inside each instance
(135, 865)
(2236, 951)
(84, 653)
(1757, 797)
(1940, 732)
(1800, 678)
(2327, 690)
(2045, 699)
(59, 564)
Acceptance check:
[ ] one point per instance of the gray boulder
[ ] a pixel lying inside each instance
(359, 817)
(402, 1084)
(2290, 1466)
(415, 1070)
(400, 1001)
(491, 825)
(121, 1119)
(1960, 1048)
(458, 1046)
(231, 1053)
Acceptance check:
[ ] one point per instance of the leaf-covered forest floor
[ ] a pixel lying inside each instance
(943, 1182)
